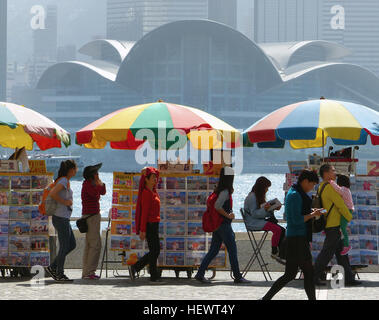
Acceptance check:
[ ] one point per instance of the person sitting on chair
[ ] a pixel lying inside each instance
(259, 218)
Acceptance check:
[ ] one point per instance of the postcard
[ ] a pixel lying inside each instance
(368, 242)
(122, 180)
(162, 197)
(197, 183)
(4, 182)
(135, 197)
(38, 227)
(175, 258)
(175, 213)
(19, 259)
(4, 198)
(4, 227)
(19, 243)
(369, 257)
(122, 197)
(196, 244)
(175, 228)
(120, 243)
(175, 198)
(367, 198)
(175, 183)
(4, 212)
(196, 213)
(3, 243)
(39, 243)
(36, 197)
(136, 243)
(19, 227)
(36, 215)
(161, 183)
(121, 228)
(195, 229)
(354, 242)
(365, 183)
(194, 258)
(219, 260)
(197, 198)
(21, 182)
(355, 257)
(366, 212)
(20, 213)
(40, 259)
(20, 198)
(368, 228)
(121, 213)
(175, 244)
(40, 182)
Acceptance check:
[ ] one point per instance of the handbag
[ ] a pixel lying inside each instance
(319, 223)
(82, 224)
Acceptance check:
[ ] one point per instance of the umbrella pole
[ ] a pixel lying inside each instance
(323, 151)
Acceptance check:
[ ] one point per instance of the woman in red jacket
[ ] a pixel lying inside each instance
(92, 188)
(147, 222)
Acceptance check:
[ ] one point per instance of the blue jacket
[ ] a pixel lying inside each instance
(293, 210)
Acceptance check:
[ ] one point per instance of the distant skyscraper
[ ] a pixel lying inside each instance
(3, 50)
(131, 19)
(354, 24)
(245, 17)
(44, 44)
(224, 11)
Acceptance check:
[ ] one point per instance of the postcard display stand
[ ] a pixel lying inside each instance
(183, 201)
(363, 230)
(24, 232)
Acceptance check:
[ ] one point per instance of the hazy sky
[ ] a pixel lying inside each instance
(78, 22)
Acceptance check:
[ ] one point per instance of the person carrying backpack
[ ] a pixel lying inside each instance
(62, 194)
(223, 232)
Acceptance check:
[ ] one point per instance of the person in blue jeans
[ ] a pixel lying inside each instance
(62, 194)
(225, 232)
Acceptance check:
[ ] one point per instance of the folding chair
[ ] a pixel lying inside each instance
(257, 246)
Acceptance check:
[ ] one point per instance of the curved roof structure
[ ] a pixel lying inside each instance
(285, 54)
(102, 69)
(179, 28)
(105, 49)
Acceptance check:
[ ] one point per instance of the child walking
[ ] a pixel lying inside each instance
(343, 188)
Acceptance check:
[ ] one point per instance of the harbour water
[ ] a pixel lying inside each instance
(242, 186)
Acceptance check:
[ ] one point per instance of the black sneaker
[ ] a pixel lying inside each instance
(63, 278)
(242, 280)
(203, 280)
(51, 272)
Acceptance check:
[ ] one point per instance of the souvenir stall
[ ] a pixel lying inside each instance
(309, 124)
(24, 232)
(183, 196)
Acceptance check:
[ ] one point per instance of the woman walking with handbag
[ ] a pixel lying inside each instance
(62, 194)
(299, 212)
(224, 233)
(147, 222)
(92, 189)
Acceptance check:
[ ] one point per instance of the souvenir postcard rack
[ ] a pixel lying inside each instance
(24, 232)
(183, 200)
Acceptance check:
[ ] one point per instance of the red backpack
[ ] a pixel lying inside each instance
(211, 218)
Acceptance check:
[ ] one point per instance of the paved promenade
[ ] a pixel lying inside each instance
(113, 288)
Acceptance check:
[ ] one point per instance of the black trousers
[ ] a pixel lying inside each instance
(298, 256)
(332, 246)
(152, 237)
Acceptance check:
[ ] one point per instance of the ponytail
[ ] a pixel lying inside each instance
(65, 167)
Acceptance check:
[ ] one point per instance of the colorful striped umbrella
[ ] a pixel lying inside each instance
(308, 124)
(21, 127)
(163, 124)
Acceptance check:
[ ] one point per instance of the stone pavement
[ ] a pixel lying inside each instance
(113, 288)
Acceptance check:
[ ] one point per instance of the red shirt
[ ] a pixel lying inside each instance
(150, 208)
(91, 197)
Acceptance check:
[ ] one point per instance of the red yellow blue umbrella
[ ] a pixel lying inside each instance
(308, 124)
(21, 127)
(163, 123)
